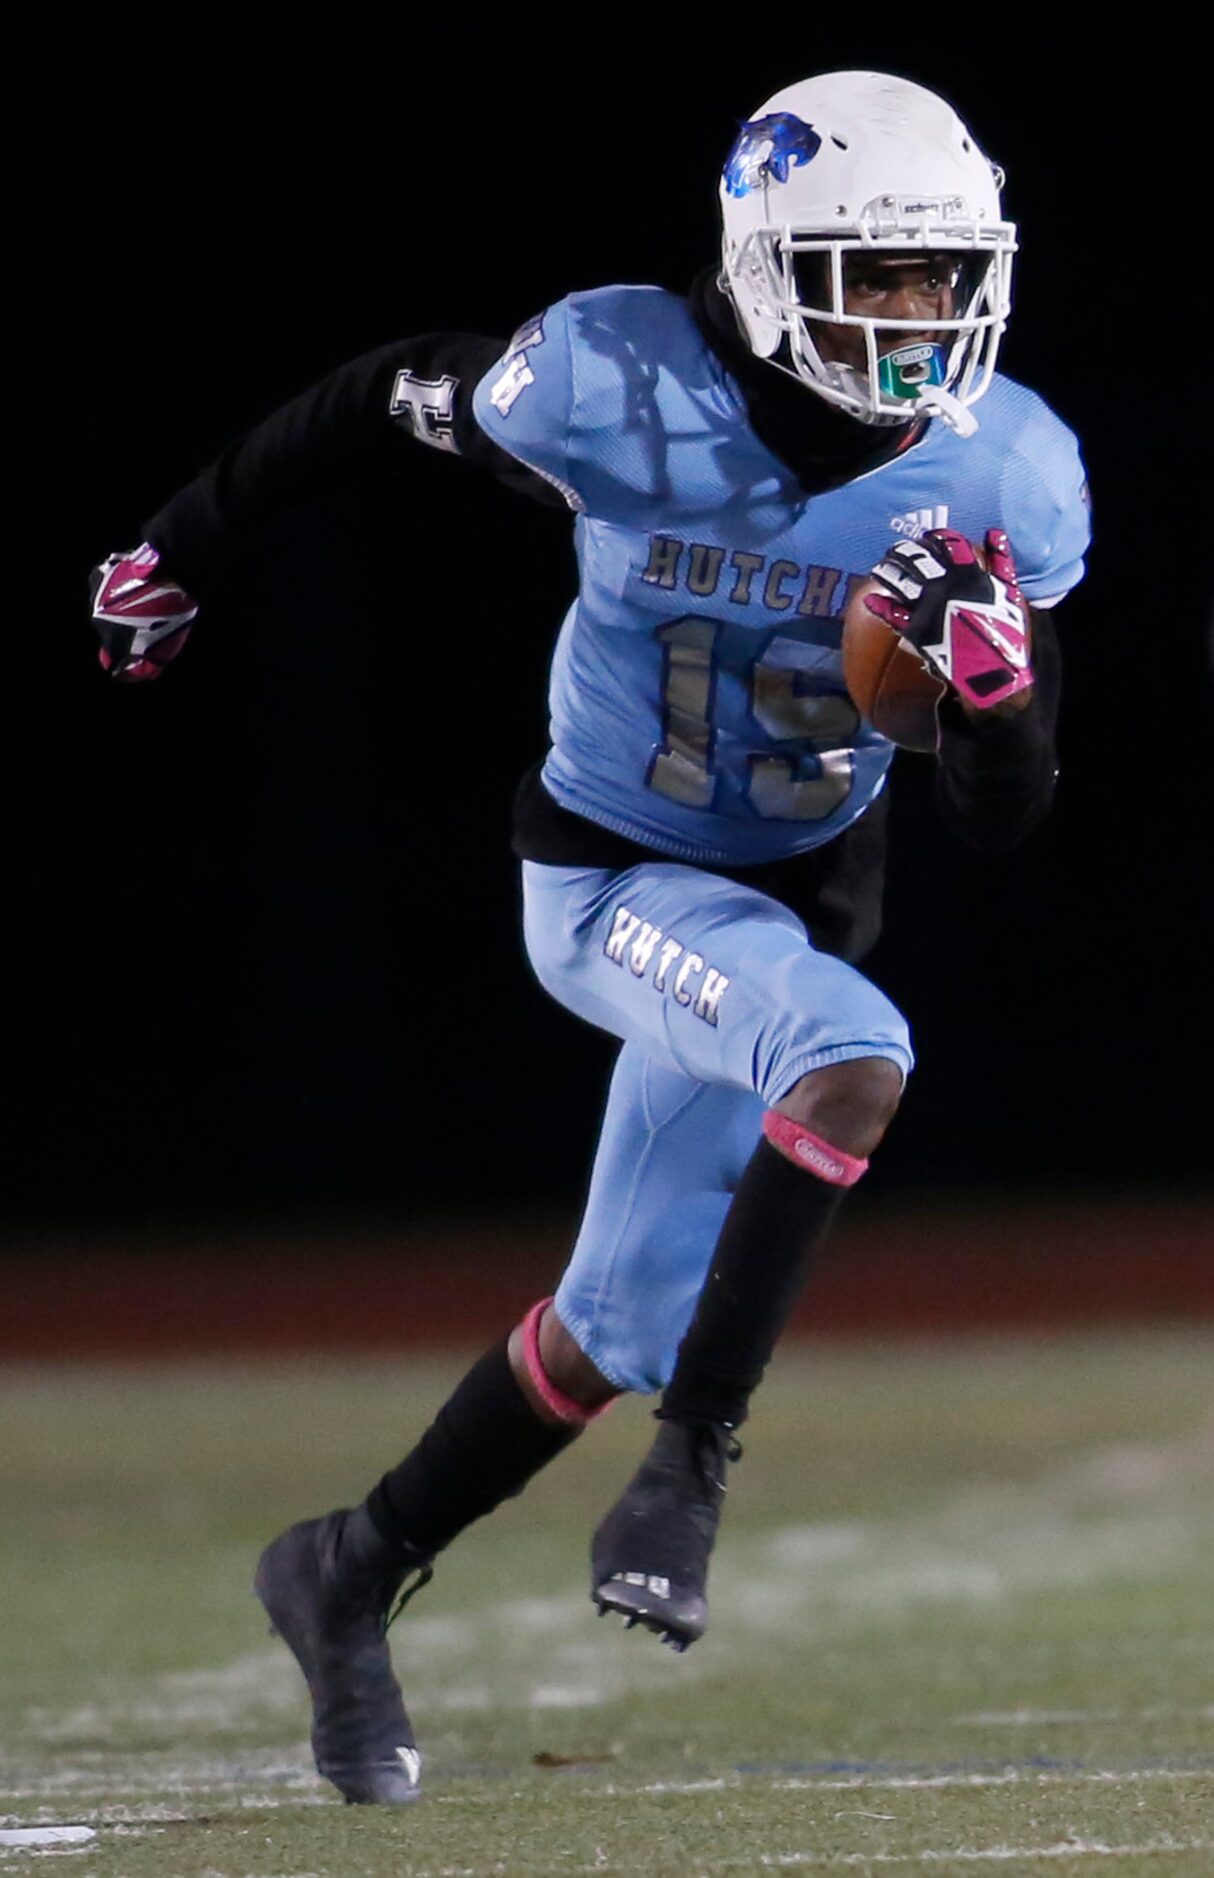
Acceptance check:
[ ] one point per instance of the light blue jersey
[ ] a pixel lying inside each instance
(697, 696)
(698, 707)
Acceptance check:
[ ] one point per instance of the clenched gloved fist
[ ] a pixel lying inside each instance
(970, 622)
(141, 619)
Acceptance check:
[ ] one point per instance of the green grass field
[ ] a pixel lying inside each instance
(962, 1617)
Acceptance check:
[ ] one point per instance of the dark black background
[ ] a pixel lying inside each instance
(264, 949)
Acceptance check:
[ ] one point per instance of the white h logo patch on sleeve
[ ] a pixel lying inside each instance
(425, 406)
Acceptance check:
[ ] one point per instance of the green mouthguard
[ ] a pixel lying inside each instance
(904, 372)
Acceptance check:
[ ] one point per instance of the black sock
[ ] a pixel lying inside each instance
(482, 1447)
(778, 1217)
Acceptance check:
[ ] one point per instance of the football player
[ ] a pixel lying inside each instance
(702, 847)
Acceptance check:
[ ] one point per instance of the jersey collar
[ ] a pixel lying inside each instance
(823, 448)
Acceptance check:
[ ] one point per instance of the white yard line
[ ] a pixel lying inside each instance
(939, 1856)
(24, 1836)
(1060, 1717)
(977, 1855)
(888, 1783)
(300, 1786)
(149, 1816)
(1009, 1777)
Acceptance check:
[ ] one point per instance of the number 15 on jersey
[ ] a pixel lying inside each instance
(800, 765)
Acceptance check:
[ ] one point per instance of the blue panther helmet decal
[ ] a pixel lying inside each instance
(768, 147)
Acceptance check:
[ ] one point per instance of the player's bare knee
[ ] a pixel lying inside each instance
(569, 1367)
(848, 1104)
(555, 1374)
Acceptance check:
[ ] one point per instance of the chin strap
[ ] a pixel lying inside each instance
(938, 402)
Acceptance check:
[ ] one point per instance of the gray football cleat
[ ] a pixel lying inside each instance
(649, 1557)
(328, 1586)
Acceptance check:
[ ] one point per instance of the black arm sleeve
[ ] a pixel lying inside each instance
(995, 780)
(338, 429)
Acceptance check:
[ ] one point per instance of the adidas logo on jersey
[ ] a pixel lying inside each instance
(916, 522)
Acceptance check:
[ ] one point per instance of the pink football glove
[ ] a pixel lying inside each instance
(142, 621)
(971, 624)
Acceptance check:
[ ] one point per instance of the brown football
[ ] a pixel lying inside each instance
(889, 682)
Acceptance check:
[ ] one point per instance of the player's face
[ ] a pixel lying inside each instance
(925, 289)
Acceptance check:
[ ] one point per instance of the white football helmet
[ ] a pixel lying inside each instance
(851, 163)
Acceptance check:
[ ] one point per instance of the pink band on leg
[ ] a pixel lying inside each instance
(809, 1151)
(562, 1406)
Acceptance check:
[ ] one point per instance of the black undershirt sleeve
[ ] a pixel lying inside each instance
(995, 780)
(337, 430)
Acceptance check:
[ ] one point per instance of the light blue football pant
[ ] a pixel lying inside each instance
(723, 1005)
